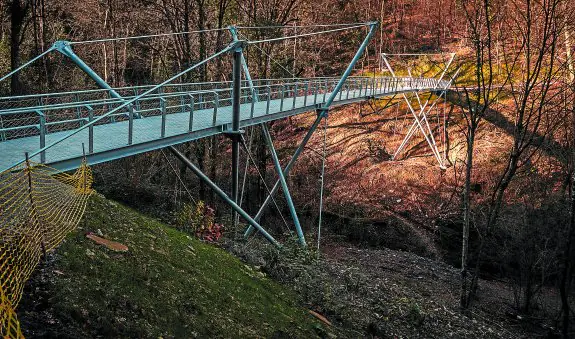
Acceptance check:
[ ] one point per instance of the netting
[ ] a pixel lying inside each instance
(38, 207)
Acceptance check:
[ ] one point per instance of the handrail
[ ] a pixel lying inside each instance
(163, 96)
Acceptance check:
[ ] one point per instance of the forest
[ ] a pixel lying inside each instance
(481, 245)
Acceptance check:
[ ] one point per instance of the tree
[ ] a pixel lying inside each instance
(530, 70)
(480, 18)
(18, 11)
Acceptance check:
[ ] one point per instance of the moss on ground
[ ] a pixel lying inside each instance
(166, 285)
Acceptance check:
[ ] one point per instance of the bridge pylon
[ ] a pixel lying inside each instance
(424, 107)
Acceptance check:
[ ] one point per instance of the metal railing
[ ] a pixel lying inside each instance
(39, 115)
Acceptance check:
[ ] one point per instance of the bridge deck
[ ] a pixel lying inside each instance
(110, 140)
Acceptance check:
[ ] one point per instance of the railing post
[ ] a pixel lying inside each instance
(182, 98)
(90, 130)
(2, 134)
(255, 93)
(79, 111)
(163, 110)
(269, 94)
(325, 92)
(294, 95)
(42, 135)
(191, 123)
(316, 86)
(282, 98)
(216, 104)
(137, 102)
(131, 124)
(306, 93)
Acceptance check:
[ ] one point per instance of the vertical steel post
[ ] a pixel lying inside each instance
(294, 95)
(163, 111)
(253, 103)
(191, 123)
(216, 104)
(131, 125)
(269, 94)
(306, 93)
(90, 130)
(42, 135)
(271, 147)
(282, 98)
(237, 88)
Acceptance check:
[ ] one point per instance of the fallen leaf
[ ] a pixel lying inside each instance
(320, 317)
(113, 245)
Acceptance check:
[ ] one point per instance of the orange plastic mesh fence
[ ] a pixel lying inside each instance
(38, 208)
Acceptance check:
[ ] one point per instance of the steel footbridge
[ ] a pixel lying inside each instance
(67, 130)
(180, 113)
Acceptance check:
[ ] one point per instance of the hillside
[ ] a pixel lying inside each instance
(167, 285)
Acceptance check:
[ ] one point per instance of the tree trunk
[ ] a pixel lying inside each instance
(464, 295)
(567, 269)
(18, 10)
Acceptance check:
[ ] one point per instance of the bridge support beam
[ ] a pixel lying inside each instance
(269, 142)
(222, 195)
(420, 118)
(65, 48)
(321, 113)
(286, 170)
(283, 182)
(236, 94)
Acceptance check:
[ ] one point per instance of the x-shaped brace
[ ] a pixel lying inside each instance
(420, 118)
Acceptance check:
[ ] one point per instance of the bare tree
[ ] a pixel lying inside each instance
(530, 70)
(480, 17)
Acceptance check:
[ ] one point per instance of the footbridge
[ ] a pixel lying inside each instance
(178, 113)
(44, 135)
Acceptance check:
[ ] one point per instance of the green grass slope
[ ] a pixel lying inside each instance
(166, 285)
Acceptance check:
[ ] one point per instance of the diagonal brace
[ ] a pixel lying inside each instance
(411, 130)
(322, 112)
(222, 194)
(283, 183)
(65, 48)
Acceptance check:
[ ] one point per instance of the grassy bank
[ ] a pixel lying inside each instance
(166, 285)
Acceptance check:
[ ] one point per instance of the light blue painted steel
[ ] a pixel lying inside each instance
(284, 185)
(27, 64)
(69, 135)
(270, 144)
(322, 112)
(65, 48)
(110, 141)
(223, 195)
